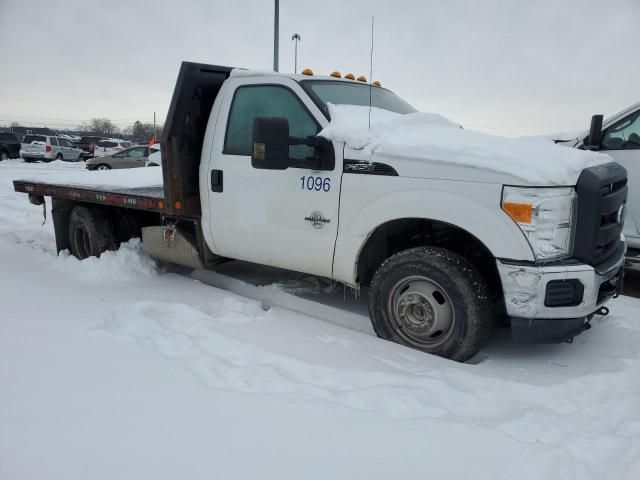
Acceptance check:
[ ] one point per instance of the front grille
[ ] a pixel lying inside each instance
(602, 192)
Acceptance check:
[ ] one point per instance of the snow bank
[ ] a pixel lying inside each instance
(437, 140)
(129, 262)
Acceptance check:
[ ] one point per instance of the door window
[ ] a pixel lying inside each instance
(53, 141)
(252, 102)
(623, 135)
(136, 152)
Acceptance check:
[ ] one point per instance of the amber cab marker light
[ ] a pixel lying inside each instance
(376, 84)
(519, 212)
(362, 78)
(350, 76)
(178, 205)
(336, 74)
(307, 71)
(160, 204)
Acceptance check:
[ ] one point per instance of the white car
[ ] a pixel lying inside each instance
(154, 159)
(48, 147)
(619, 137)
(110, 146)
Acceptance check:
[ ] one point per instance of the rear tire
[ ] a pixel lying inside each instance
(4, 155)
(433, 300)
(59, 157)
(103, 166)
(90, 233)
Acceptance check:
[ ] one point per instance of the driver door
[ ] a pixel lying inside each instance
(283, 218)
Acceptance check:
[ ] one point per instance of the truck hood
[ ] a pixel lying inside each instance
(429, 146)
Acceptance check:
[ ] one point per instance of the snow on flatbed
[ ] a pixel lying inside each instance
(74, 174)
(114, 368)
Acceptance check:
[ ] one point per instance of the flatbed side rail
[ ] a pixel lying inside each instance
(135, 198)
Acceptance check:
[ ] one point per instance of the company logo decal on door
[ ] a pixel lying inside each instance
(317, 220)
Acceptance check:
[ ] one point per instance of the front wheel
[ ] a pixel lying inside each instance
(103, 166)
(4, 155)
(433, 300)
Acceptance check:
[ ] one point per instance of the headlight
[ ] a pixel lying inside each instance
(546, 216)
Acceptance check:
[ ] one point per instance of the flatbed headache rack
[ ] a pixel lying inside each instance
(196, 88)
(150, 199)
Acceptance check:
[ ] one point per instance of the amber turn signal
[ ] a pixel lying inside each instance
(519, 212)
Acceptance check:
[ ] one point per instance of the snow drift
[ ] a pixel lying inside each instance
(436, 140)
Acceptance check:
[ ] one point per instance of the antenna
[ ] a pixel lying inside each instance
(371, 72)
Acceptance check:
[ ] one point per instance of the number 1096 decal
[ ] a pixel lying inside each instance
(316, 183)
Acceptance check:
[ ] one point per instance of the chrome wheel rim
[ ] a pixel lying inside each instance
(421, 311)
(102, 167)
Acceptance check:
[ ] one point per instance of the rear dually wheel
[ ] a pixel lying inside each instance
(90, 232)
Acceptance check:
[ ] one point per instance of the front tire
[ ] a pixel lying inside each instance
(90, 233)
(103, 166)
(433, 300)
(4, 155)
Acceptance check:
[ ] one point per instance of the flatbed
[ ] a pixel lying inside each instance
(151, 199)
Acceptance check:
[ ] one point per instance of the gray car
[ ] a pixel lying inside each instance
(47, 148)
(130, 158)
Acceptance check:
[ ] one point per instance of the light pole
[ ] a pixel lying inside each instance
(296, 38)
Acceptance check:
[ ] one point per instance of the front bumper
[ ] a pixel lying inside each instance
(35, 155)
(526, 295)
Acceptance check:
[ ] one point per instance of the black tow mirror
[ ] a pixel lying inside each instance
(270, 143)
(595, 132)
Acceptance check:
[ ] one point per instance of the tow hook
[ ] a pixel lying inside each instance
(169, 235)
(604, 311)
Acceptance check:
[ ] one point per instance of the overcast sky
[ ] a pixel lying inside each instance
(512, 66)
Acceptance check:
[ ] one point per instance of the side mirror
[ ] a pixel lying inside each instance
(270, 140)
(595, 132)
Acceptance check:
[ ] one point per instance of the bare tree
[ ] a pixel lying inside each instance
(100, 126)
(143, 131)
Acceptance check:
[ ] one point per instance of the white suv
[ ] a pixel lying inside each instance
(110, 146)
(47, 147)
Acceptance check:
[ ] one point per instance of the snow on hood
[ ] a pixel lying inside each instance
(436, 140)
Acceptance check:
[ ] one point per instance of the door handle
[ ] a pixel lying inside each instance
(216, 180)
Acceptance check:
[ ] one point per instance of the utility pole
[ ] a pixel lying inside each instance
(296, 38)
(154, 127)
(276, 32)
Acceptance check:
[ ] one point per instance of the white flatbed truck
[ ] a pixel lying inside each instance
(247, 177)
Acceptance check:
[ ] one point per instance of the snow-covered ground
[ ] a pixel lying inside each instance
(115, 368)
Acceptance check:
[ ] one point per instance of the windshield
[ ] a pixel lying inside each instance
(349, 93)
